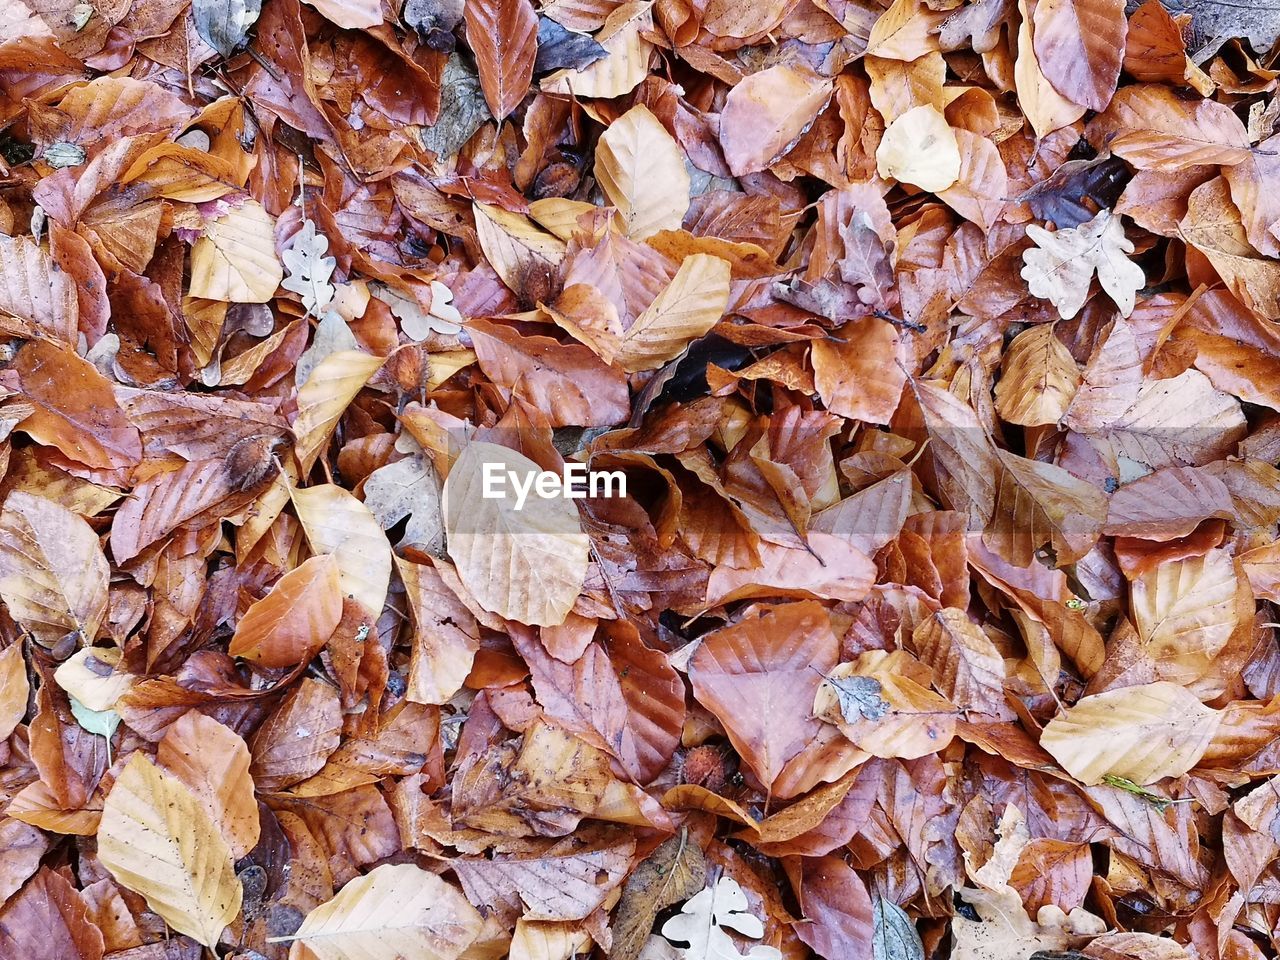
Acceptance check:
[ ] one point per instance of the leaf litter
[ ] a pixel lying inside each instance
(927, 613)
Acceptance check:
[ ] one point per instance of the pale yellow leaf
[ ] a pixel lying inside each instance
(1143, 734)
(157, 840)
(641, 170)
(325, 396)
(1039, 378)
(235, 260)
(526, 562)
(626, 65)
(394, 911)
(692, 303)
(212, 761)
(920, 148)
(1185, 612)
(336, 522)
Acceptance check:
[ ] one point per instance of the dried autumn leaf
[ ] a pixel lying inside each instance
(921, 149)
(213, 762)
(503, 35)
(759, 677)
(766, 114)
(626, 63)
(525, 562)
(1185, 612)
(675, 871)
(14, 688)
(856, 375)
(446, 635)
(641, 171)
(895, 936)
(1142, 734)
(292, 622)
(53, 573)
(337, 523)
(544, 787)
(526, 258)
(1079, 45)
(903, 718)
(158, 840)
(223, 24)
(85, 423)
(967, 667)
(1046, 109)
(33, 288)
(690, 305)
(295, 741)
(395, 910)
(49, 918)
(235, 259)
(837, 906)
(1154, 129)
(325, 396)
(1039, 378)
(1062, 264)
(566, 881)
(1040, 504)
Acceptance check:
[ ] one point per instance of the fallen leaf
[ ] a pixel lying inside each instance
(921, 149)
(157, 840)
(1142, 734)
(522, 560)
(1063, 263)
(395, 910)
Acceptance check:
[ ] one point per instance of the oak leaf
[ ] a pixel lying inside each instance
(706, 917)
(1063, 263)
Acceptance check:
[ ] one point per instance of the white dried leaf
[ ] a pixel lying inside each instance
(418, 324)
(1062, 264)
(408, 488)
(703, 920)
(310, 271)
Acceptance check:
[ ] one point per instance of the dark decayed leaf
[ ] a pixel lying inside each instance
(895, 936)
(434, 20)
(224, 24)
(1077, 190)
(559, 48)
(462, 109)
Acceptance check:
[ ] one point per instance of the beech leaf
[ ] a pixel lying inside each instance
(158, 841)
